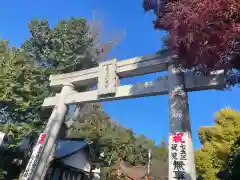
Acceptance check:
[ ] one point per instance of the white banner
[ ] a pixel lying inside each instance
(179, 156)
(27, 175)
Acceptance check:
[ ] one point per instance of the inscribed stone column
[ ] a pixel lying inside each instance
(181, 154)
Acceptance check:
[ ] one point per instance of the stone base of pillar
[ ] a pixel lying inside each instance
(96, 174)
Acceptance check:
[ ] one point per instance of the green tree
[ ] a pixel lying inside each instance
(217, 142)
(19, 84)
(71, 45)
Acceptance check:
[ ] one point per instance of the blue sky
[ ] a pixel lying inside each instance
(148, 116)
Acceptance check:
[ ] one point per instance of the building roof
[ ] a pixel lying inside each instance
(132, 172)
(158, 170)
(68, 147)
(64, 147)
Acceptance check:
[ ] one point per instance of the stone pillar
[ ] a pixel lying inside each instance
(181, 153)
(45, 144)
(50, 159)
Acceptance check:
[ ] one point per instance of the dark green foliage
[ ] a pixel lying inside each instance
(71, 45)
(20, 91)
(66, 47)
(231, 172)
(234, 161)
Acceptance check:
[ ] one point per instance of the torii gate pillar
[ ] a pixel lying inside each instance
(181, 154)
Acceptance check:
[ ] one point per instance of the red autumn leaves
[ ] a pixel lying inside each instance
(204, 33)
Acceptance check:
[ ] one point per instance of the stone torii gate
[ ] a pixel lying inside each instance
(107, 78)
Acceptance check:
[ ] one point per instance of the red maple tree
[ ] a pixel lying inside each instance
(205, 34)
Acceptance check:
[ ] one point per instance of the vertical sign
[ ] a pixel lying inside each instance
(179, 156)
(108, 79)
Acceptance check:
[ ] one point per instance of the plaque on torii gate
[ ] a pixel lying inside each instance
(107, 78)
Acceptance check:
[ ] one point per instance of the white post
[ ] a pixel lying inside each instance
(43, 148)
(181, 154)
(2, 136)
(96, 173)
(149, 160)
